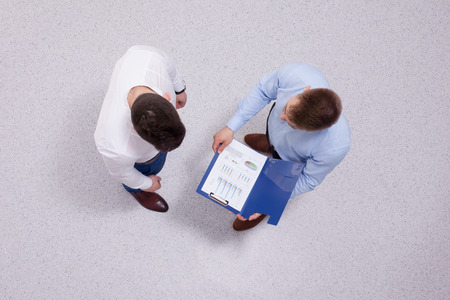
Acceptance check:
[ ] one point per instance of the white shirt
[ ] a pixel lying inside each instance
(117, 141)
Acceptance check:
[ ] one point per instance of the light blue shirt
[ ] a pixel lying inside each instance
(319, 151)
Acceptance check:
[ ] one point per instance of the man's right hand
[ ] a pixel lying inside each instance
(156, 184)
(224, 137)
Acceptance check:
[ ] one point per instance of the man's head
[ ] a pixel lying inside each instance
(312, 110)
(157, 121)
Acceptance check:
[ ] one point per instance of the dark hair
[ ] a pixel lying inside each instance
(157, 121)
(316, 109)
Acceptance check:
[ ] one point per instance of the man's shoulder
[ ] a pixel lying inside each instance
(143, 48)
(139, 50)
(298, 67)
(337, 136)
(296, 72)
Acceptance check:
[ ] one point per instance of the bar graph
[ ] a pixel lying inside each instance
(234, 174)
(226, 189)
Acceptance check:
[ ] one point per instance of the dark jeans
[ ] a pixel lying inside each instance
(150, 169)
(272, 149)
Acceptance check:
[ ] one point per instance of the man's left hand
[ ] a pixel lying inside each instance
(181, 100)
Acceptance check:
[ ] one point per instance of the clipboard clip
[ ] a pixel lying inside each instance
(218, 199)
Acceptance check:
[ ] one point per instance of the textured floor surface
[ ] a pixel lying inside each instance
(377, 228)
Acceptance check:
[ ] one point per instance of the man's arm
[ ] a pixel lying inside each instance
(122, 170)
(261, 95)
(178, 84)
(317, 168)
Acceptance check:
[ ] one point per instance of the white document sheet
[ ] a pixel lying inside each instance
(234, 174)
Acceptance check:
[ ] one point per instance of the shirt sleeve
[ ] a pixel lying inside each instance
(261, 95)
(177, 81)
(317, 168)
(122, 169)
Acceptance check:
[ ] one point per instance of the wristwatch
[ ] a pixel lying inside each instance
(182, 91)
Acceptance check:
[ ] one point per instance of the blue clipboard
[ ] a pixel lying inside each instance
(270, 192)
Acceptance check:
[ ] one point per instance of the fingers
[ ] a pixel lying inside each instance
(222, 146)
(180, 104)
(216, 144)
(241, 218)
(156, 184)
(254, 216)
(224, 137)
(181, 100)
(155, 177)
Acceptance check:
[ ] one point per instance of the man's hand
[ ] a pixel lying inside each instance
(156, 184)
(224, 137)
(181, 100)
(252, 217)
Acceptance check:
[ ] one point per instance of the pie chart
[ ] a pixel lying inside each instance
(251, 165)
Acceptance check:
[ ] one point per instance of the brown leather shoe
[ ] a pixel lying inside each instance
(239, 225)
(258, 142)
(151, 201)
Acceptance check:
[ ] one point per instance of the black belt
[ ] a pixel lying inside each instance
(151, 160)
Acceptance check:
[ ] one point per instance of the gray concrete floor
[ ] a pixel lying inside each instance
(377, 228)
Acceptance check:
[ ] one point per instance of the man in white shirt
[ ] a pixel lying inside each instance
(139, 124)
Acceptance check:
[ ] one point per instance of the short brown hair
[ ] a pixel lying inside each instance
(317, 109)
(157, 121)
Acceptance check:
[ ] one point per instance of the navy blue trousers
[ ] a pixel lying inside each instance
(150, 169)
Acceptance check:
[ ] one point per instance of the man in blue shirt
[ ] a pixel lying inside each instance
(304, 125)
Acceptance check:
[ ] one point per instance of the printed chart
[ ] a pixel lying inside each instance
(234, 174)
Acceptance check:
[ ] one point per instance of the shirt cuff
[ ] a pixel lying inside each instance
(235, 123)
(148, 182)
(178, 86)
